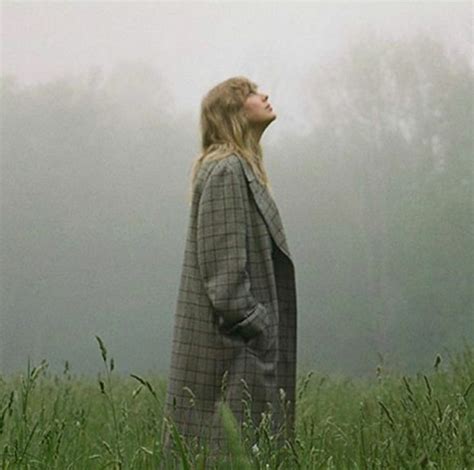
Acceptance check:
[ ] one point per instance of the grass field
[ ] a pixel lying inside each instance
(388, 422)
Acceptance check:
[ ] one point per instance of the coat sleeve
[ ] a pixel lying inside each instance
(222, 253)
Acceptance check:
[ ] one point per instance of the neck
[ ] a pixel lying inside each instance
(258, 131)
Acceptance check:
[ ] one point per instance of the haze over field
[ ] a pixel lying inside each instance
(370, 161)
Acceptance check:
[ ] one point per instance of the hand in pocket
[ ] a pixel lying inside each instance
(258, 342)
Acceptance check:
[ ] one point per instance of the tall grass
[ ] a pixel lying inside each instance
(61, 421)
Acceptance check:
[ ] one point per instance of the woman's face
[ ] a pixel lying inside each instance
(258, 109)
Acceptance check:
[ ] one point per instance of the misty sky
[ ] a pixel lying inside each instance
(94, 233)
(197, 44)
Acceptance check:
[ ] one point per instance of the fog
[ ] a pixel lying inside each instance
(370, 162)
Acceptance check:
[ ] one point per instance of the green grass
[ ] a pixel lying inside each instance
(388, 422)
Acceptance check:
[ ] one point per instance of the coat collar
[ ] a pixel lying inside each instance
(267, 208)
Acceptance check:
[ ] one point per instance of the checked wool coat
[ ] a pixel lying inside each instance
(235, 323)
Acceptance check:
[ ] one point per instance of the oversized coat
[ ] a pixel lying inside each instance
(235, 324)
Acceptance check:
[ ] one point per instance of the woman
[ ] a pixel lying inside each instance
(235, 326)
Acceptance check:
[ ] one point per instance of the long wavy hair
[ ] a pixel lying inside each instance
(226, 130)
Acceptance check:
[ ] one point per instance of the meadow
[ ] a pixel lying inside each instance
(388, 421)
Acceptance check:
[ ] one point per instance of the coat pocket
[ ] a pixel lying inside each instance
(261, 342)
(253, 333)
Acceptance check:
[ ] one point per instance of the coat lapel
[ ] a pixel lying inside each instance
(267, 208)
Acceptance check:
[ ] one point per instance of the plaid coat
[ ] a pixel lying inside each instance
(235, 324)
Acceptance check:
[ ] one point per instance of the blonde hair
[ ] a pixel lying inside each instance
(226, 130)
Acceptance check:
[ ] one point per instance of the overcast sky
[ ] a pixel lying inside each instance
(197, 44)
(95, 234)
